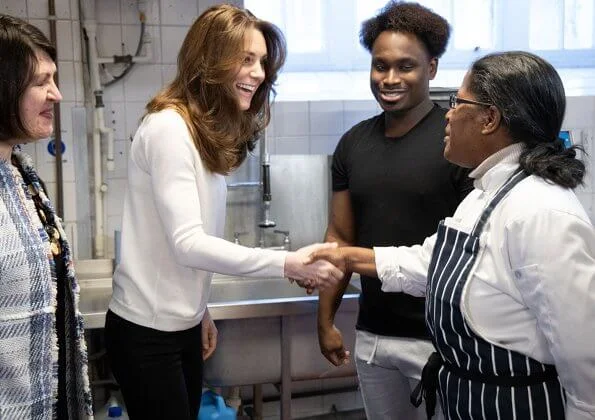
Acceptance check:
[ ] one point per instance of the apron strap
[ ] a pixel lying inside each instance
(428, 385)
(514, 179)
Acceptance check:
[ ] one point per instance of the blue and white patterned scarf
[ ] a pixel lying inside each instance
(28, 289)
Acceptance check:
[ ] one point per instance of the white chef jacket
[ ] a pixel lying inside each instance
(532, 288)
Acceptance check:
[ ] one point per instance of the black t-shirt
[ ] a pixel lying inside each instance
(400, 189)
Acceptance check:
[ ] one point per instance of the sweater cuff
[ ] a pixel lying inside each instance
(389, 272)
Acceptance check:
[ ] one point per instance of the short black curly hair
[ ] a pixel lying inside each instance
(430, 28)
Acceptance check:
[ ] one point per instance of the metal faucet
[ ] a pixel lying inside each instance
(236, 237)
(266, 184)
(286, 241)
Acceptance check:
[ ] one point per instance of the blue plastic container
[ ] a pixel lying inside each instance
(114, 413)
(212, 407)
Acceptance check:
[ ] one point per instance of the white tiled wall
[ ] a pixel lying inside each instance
(298, 126)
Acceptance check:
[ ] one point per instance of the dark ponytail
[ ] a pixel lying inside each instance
(530, 96)
(553, 162)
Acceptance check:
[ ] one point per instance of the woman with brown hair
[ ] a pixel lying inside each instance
(197, 129)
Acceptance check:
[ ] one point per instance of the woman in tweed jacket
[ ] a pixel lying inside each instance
(43, 359)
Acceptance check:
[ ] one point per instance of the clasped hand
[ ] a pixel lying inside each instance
(313, 266)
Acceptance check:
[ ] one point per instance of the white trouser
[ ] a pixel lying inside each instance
(388, 369)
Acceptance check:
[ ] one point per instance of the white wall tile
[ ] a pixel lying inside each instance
(115, 118)
(326, 117)
(74, 8)
(356, 111)
(63, 9)
(79, 86)
(323, 145)
(168, 72)
(134, 113)
(580, 112)
(69, 193)
(42, 24)
(40, 9)
(68, 174)
(67, 80)
(37, 9)
(292, 145)
(171, 41)
(115, 194)
(114, 223)
(178, 12)
(270, 129)
(292, 119)
(142, 82)
(586, 200)
(109, 40)
(64, 40)
(108, 11)
(16, 8)
(131, 34)
(114, 93)
(130, 12)
(45, 162)
(121, 148)
(154, 32)
(77, 50)
(66, 133)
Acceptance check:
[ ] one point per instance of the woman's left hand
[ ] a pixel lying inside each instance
(209, 335)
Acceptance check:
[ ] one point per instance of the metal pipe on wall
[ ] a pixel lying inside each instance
(59, 199)
(99, 129)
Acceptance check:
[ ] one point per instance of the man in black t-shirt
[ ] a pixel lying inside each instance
(391, 186)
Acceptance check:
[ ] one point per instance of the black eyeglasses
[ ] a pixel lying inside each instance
(454, 100)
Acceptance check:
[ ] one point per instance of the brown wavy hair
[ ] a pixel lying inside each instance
(203, 92)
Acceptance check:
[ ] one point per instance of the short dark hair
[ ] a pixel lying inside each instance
(530, 96)
(430, 28)
(19, 42)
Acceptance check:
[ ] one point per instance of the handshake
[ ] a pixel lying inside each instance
(316, 266)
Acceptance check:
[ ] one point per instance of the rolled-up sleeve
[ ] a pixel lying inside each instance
(404, 269)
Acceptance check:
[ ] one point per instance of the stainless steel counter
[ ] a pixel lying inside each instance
(231, 298)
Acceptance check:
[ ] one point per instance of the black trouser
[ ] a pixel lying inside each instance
(159, 372)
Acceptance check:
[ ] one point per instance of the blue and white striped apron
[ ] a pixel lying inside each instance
(476, 379)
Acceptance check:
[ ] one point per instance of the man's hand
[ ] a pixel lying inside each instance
(209, 335)
(335, 256)
(330, 341)
(315, 274)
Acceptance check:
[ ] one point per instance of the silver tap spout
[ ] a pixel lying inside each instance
(266, 184)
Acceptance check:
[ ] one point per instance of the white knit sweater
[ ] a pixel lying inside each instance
(174, 212)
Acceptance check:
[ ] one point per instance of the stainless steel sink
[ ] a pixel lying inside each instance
(267, 327)
(231, 298)
(267, 331)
